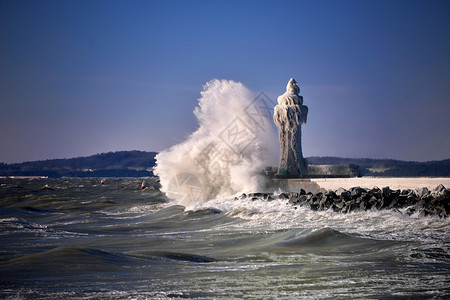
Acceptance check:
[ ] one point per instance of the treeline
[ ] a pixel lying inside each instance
(111, 164)
(141, 163)
(389, 167)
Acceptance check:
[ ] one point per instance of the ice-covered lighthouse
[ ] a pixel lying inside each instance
(289, 115)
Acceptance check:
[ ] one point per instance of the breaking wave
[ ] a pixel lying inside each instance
(227, 154)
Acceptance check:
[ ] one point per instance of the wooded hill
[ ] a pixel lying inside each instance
(389, 167)
(111, 164)
(140, 164)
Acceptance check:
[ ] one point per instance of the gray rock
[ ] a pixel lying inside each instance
(439, 188)
(321, 190)
(411, 193)
(314, 206)
(423, 213)
(294, 200)
(340, 204)
(385, 202)
(386, 191)
(445, 192)
(331, 194)
(405, 192)
(339, 191)
(375, 192)
(258, 195)
(394, 203)
(349, 203)
(363, 205)
(357, 191)
(323, 203)
(346, 194)
(373, 200)
(283, 196)
(422, 192)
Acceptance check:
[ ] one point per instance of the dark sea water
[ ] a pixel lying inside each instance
(76, 238)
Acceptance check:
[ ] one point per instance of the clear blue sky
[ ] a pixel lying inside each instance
(84, 77)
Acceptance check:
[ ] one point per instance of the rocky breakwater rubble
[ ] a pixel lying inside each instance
(422, 202)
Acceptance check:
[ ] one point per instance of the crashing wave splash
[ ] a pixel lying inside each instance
(228, 151)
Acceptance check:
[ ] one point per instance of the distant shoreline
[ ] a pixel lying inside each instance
(25, 177)
(141, 163)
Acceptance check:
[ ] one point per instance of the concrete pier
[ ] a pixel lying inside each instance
(292, 185)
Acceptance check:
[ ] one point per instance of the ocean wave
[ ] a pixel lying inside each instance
(383, 225)
(177, 256)
(69, 255)
(328, 239)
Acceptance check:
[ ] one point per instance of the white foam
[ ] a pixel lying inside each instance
(384, 224)
(225, 154)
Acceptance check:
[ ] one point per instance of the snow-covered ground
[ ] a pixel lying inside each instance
(393, 182)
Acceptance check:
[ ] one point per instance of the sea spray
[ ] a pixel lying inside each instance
(235, 140)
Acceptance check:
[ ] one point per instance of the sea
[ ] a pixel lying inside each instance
(80, 238)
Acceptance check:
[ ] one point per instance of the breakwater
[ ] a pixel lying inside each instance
(422, 201)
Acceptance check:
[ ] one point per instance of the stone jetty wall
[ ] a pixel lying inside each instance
(323, 171)
(422, 202)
